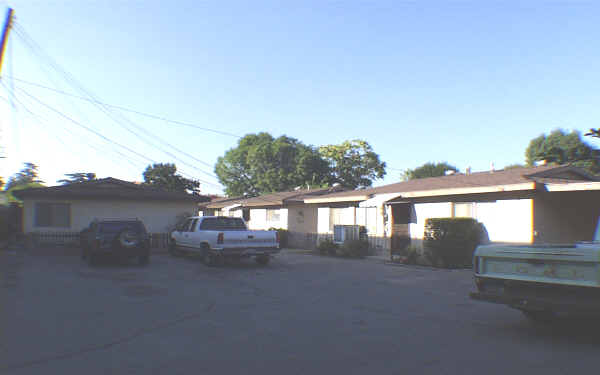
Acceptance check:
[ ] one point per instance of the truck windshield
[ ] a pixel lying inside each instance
(223, 223)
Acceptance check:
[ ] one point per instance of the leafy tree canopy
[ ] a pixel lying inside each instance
(263, 164)
(164, 176)
(563, 148)
(77, 177)
(9, 192)
(428, 170)
(353, 163)
(27, 175)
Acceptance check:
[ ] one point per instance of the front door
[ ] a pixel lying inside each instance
(401, 214)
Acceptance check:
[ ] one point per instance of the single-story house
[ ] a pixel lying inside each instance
(552, 204)
(283, 210)
(70, 208)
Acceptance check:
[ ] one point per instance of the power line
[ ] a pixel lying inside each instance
(145, 114)
(103, 108)
(61, 114)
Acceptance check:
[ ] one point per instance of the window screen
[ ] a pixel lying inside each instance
(273, 215)
(52, 215)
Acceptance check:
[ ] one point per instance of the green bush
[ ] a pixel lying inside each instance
(450, 242)
(355, 248)
(283, 236)
(327, 247)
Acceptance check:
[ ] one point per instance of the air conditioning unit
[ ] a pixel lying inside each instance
(343, 233)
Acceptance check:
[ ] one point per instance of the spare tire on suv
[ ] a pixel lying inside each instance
(124, 239)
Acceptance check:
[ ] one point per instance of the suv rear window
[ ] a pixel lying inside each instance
(117, 226)
(223, 223)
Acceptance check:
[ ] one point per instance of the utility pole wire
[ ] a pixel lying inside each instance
(61, 114)
(145, 114)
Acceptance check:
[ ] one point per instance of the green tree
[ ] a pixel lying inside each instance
(77, 177)
(27, 175)
(263, 164)
(353, 163)
(563, 148)
(1, 182)
(428, 170)
(164, 176)
(9, 192)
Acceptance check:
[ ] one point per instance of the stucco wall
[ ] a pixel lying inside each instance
(507, 220)
(566, 217)
(302, 218)
(157, 216)
(259, 220)
(425, 211)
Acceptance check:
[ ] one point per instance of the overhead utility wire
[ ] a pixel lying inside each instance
(97, 133)
(103, 108)
(41, 119)
(145, 114)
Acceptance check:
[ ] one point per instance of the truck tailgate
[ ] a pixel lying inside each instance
(249, 239)
(577, 265)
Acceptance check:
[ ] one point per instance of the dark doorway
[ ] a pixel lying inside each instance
(401, 214)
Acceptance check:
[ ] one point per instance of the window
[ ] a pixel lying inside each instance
(193, 225)
(273, 215)
(246, 214)
(222, 223)
(52, 215)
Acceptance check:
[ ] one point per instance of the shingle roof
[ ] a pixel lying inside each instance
(107, 188)
(542, 174)
(273, 199)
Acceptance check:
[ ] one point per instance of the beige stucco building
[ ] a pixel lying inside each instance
(71, 208)
(553, 204)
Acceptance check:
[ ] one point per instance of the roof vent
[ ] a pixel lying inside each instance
(492, 169)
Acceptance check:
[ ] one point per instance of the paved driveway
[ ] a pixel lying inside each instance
(301, 314)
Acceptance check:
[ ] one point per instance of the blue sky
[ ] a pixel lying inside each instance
(469, 83)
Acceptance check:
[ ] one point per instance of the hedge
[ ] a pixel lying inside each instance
(450, 242)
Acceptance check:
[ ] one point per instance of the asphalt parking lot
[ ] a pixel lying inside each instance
(301, 314)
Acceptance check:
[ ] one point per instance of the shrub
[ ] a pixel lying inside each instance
(283, 236)
(450, 242)
(355, 248)
(327, 247)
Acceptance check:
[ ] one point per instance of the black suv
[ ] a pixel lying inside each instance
(124, 239)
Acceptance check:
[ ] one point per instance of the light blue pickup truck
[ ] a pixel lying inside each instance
(540, 280)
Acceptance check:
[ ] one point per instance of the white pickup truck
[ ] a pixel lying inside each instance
(541, 280)
(218, 238)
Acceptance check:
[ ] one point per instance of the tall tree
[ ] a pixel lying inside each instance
(164, 176)
(77, 177)
(563, 148)
(263, 164)
(353, 163)
(428, 170)
(27, 175)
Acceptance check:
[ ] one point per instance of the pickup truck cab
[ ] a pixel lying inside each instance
(218, 238)
(540, 280)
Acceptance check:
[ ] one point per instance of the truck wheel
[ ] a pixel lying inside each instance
(263, 259)
(539, 316)
(208, 258)
(173, 249)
